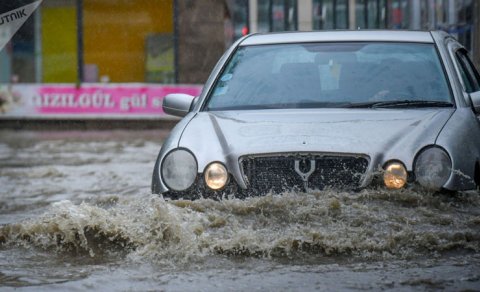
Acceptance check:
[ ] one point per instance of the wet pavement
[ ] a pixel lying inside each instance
(76, 213)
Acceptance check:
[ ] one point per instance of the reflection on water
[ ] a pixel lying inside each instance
(76, 213)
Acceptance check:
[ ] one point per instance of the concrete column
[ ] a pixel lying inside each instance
(305, 15)
(79, 10)
(352, 20)
(38, 45)
(253, 15)
(432, 14)
(201, 38)
(452, 12)
(415, 15)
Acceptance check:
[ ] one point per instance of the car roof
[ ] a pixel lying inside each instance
(339, 36)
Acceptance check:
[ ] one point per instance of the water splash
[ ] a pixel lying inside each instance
(370, 224)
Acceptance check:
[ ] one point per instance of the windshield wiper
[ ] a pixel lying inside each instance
(400, 104)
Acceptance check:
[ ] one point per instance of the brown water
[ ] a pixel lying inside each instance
(76, 213)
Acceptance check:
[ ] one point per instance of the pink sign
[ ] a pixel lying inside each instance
(88, 100)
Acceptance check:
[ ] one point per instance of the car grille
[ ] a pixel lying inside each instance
(278, 173)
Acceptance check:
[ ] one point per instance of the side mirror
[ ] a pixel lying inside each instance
(475, 97)
(177, 104)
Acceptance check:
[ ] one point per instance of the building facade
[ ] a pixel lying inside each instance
(458, 17)
(71, 41)
(179, 41)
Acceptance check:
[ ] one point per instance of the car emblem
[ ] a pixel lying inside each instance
(305, 175)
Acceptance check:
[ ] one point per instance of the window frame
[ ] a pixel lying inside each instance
(468, 73)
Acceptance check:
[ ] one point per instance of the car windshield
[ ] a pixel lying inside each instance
(319, 75)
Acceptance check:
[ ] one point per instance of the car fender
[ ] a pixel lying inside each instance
(169, 144)
(461, 139)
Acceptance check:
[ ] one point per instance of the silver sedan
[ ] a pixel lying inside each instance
(344, 110)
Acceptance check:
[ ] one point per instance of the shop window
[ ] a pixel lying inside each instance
(128, 41)
(277, 15)
(400, 14)
(371, 14)
(377, 13)
(263, 16)
(464, 19)
(240, 19)
(361, 13)
(330, 14)
(341, 14)
(59, 42)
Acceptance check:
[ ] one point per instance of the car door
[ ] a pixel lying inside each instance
(469, 81)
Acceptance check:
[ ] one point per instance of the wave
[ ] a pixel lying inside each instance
(371, 224)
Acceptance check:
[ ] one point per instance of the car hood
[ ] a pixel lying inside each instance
(381, 134)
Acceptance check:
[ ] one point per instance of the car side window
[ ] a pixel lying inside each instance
(469, 74)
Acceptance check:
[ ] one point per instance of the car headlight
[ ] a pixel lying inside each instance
(395, 175)
(179, 170)
(216, 176)
(433, 168)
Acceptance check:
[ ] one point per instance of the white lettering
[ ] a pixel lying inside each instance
(63, 100)
(108, 102)
(84, 100)
(125, 103)
(71, 101)
(135, 101)
(54, 100)
(97, 100)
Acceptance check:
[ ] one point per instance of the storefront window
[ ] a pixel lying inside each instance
(277, 15)
(464, 19)
(317, 14)
(370, 14)
(123, 41)
(128, 41)
(135, 41)
(22, 51)
(331, 14)
(360, 14)
(291, 15)
(240, 18)
(263, 16)
(373, 14)
(59, 41)
(341, 14)
(400, 14)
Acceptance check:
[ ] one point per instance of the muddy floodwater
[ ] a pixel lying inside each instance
(76, 213)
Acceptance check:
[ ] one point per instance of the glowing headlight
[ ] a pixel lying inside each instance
(179, 170)
(433, 168)
(216, 176)
(395, 175)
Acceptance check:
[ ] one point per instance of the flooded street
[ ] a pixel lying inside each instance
(76, 213)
